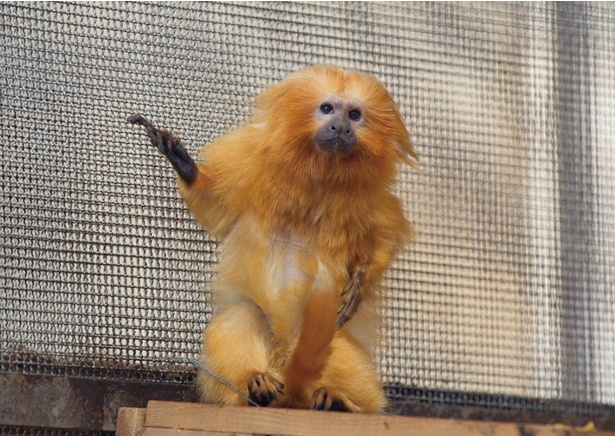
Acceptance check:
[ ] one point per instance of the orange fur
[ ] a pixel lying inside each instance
(293, 221)
(313, 348)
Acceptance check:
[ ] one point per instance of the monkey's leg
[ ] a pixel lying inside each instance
(350, 380)
(236, 346)
(171, 147)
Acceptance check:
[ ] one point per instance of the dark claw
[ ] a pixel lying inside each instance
(171, 147)
(352, 296)
(264, 390)
(324, 400)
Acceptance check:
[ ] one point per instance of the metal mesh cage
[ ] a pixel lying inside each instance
(509, 289)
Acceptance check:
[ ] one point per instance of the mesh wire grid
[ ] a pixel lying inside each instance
(510, 286)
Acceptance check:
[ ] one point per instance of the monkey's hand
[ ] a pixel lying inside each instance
(352, 295)
(171, 147)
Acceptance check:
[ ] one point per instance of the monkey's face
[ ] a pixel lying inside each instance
(324, 123)
(337, 121)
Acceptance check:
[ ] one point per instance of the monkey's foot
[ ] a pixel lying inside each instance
(264, 389)
(171, 147)
(325, 400)
(352, 296)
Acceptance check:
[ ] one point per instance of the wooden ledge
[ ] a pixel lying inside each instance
(190, 419)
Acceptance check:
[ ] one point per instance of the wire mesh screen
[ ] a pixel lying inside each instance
(509, 288)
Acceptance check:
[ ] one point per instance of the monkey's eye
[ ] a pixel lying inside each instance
(355, 115)
(326, 108)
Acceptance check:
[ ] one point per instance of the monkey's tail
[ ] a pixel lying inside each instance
(313, 348)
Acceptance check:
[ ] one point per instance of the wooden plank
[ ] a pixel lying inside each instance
(151, 431)
(130, 421)
(249, 420)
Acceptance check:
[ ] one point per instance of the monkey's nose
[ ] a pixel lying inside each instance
(340, 128)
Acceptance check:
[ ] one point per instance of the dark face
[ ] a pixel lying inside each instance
(338, 121)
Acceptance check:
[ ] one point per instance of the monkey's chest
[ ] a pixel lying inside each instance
(291, 271)
(291, 268)
(275, 271)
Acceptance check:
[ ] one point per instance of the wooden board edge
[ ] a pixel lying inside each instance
(292, 422)
(130, 421)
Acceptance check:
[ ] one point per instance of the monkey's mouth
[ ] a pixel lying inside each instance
(336, 145)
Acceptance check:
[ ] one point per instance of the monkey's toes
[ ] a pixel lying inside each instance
(352, 297)
(139, 119)
(325, 400)
(264, 389)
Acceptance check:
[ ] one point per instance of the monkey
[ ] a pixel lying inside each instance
(300, 198)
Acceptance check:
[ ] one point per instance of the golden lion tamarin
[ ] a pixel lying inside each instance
(300, 198)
